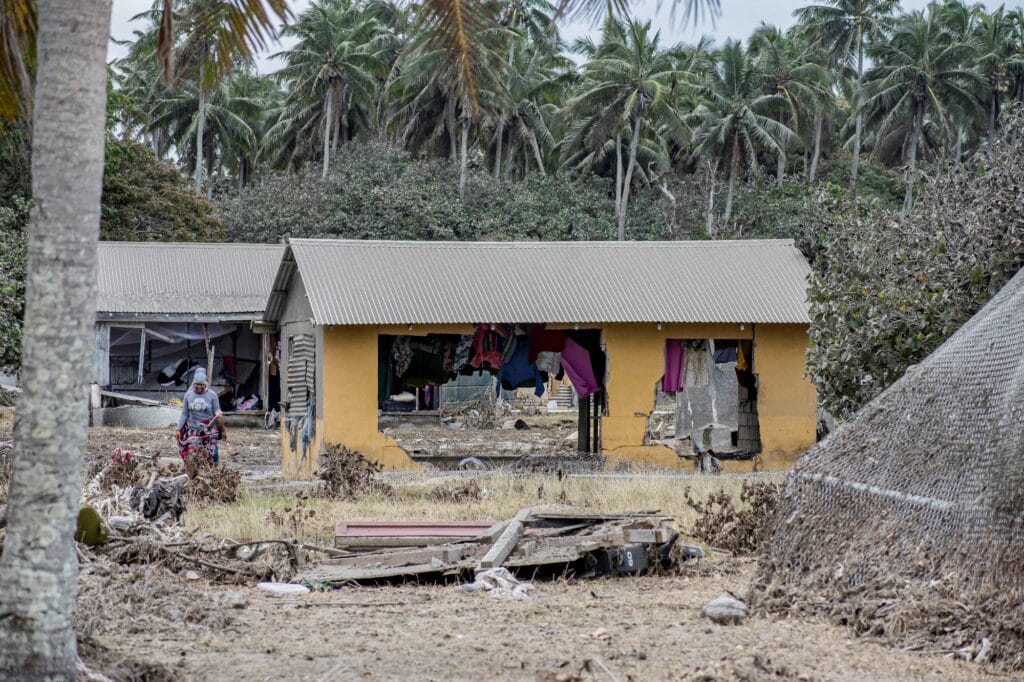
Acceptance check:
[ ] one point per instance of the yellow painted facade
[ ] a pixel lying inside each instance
(786, 398)
(347, 400)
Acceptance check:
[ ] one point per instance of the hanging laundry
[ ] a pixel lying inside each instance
(487, 347)
(545, 341)
(519, 371)
(577, 363)
(743, 354)
(550, 362)
(675, 364)
(509, 349)
(463, 351)
(698, 361)
(401, 351)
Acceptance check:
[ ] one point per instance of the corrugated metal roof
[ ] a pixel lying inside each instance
(185, 278)
(400, 282)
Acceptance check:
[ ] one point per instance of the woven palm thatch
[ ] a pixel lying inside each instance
(908, 522)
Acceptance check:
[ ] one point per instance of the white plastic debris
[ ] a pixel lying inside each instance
(283, 589)
(498, 582)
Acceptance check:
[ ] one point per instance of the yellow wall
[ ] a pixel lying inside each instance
(636, 361)
(786, 399)
(347, 400)
(347, 404)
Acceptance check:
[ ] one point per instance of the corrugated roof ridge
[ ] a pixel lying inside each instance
(605, 243)
(151, 244)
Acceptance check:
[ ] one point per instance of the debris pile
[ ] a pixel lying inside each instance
(209, 482)
(469, 491)
(348, 475)
(741, 531)
(481, 412)
(577, 545)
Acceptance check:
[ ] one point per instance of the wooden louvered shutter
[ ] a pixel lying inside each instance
(301, 374)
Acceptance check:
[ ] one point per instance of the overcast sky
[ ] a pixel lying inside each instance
(738, 19)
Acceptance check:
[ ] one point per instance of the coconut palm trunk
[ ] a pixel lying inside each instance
(618, 175)
(780, 161)
(993, 113)
(39, 566)
(709, 219)
(463, 158)
(499, 138)
(328, 124)
(818, 120)
(908, 199)
(855, 161)
(200, 129)
(959, 145)
(626, 181)
(734, 166)
(537, 155)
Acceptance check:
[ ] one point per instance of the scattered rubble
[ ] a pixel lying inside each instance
(577, 545)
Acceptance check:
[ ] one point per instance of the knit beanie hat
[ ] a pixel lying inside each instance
(199, 377)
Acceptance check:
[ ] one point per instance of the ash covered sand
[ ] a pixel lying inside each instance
(156, 621)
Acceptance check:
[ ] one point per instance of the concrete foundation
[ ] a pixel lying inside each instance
(136, 417)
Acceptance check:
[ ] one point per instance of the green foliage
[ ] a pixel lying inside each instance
(145, 199)
(888, 289)
(14, 212)
(374, 191)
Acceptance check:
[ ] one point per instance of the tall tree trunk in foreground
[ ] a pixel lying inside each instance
(817, 147)
(200, 130)
(39, 568)
(959, 146)
(626, 181)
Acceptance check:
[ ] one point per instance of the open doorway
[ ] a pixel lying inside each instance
(502, 394)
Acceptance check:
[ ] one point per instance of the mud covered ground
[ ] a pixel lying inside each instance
(144, 621)
(647, 628)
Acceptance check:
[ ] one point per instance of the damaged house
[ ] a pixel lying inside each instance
(718, 327)
(165, 309)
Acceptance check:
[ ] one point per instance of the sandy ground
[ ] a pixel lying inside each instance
(647, 628)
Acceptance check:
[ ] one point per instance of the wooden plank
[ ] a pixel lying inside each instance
(647, 535)
(328, 573)
(130, 398)
(399, 541)
(504, 545)
(447, 555)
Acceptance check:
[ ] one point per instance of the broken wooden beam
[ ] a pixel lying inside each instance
(504, 545)
(130, 398)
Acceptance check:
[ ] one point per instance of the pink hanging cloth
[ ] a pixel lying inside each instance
(675, 366)
(576, 363)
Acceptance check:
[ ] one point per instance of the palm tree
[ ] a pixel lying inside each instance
(845, 28)
(733, 120)
(920, 72)
(17, 58)
(999, 56)
(38, 566)
(335, 67)
(629, 84)
(231, 110)
(213, 41)
(440, 87)
(791, 74)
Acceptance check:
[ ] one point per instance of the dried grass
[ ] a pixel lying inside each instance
(741, 528)
(507, 493)
(348, 475)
